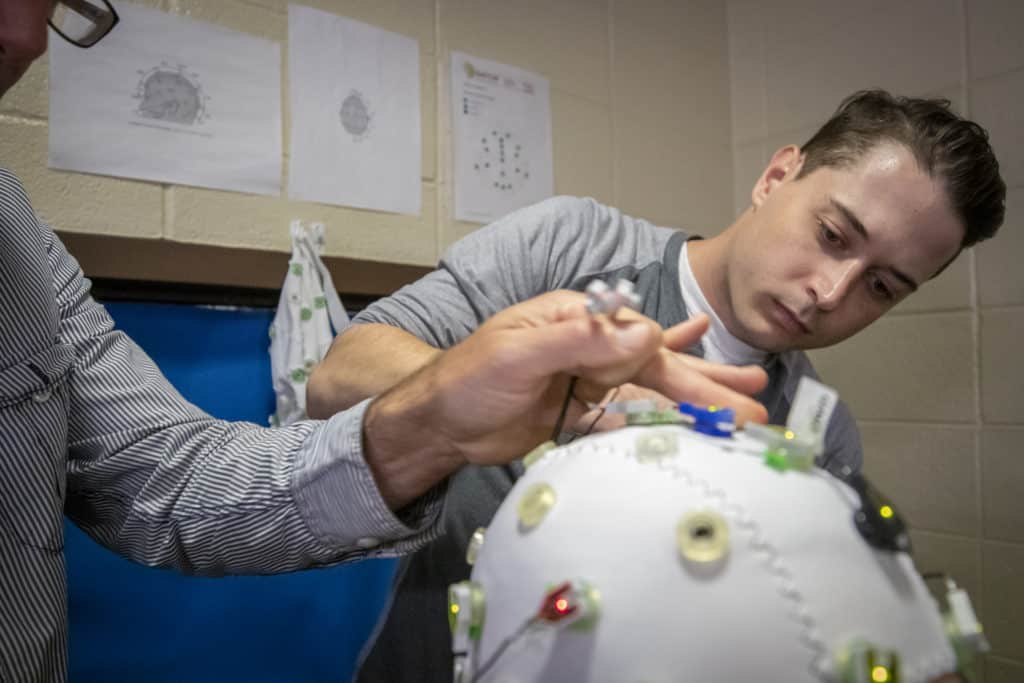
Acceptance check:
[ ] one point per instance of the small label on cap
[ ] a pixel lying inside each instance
(812, 409)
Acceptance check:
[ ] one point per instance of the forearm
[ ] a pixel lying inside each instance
(366, 360)
(154, 478)
(209, 497)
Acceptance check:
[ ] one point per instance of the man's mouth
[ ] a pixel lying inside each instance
(787, 319)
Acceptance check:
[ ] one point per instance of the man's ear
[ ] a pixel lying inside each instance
(784, 165)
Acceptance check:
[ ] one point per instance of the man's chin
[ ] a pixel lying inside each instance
(777, 346)
(770, 338)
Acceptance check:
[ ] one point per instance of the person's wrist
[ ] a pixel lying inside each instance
(403, 444)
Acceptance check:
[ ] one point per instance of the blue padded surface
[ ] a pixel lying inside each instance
(131, 623)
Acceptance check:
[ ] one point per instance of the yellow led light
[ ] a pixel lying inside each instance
(886, 511)
(862, 662)
(455, 609)
(789, 435)
(712, 409)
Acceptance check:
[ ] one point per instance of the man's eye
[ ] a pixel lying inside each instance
(829, 235)
(879, 288)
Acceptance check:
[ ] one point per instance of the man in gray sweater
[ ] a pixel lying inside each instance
(880, 200)
(91, 429)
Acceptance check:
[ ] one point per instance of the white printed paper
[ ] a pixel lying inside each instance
(355, 113)
(812, 409)
(169, 99)
(502, 134)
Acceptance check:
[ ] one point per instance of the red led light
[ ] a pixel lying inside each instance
(558, 604)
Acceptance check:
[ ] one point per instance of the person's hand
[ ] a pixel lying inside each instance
(510, 378)
(747, 380)
(497, 394)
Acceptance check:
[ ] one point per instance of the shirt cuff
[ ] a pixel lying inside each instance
(337, 496)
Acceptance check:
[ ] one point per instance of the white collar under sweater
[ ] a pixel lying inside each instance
(719, 344)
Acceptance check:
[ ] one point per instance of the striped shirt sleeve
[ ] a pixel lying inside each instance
(158, 480)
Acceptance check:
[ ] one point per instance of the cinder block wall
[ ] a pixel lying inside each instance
(640, 108)
(938, 384)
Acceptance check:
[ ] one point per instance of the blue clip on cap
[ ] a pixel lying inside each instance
(711, 420)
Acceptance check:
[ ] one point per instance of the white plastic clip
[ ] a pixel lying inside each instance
(966, 626)
(603, 299)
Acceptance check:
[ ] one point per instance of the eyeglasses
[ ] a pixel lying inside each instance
(82, 22)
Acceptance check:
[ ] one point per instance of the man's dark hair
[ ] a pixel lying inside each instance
(945, 146)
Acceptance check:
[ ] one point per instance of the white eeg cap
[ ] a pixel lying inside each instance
(706, 565)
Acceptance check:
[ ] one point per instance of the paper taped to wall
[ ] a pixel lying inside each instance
(355, 113)
(169, 99)
(501, 119)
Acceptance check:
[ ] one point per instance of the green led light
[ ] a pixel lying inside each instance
(654, 417)
(861, 662)
(784, 450)
(466, 597)
(776, 460)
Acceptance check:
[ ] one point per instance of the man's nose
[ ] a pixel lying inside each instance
(832, 283)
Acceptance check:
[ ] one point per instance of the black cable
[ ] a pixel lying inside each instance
(504, 646)
(565, 408)
(604, 409)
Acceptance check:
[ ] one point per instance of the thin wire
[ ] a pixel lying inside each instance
(557, 431)
(604, 409)
(504, 646)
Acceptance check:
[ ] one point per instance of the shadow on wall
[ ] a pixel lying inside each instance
(131, 623)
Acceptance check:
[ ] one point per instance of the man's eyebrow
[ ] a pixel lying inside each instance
(856, 224)
(903, 278)
(850, 217)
